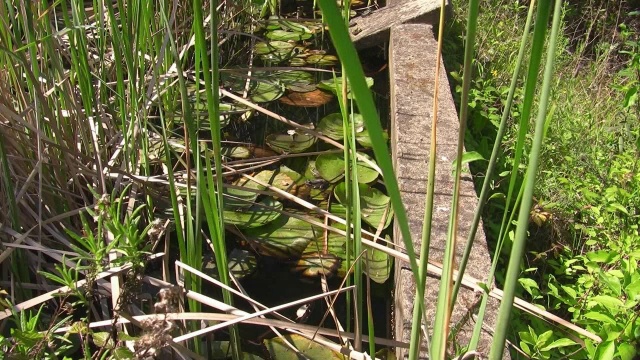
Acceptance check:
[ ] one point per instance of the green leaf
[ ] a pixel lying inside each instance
(593, 315)
(322, 60)
(259, 214)
(122, 353)
(282, 35)
(290, 144)
(602, 256)
(331, 168)
(335, 85)
(285, 238)
(558, 344)
(468, 157)
(627, 351)
(262, 91)
(331, 125)
(616, 206)
(378, 265)
(606, 350)
(375, 206)
(103, 339)
(633, 290)
(614, 305)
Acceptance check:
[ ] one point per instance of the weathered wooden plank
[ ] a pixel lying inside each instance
(374, 28)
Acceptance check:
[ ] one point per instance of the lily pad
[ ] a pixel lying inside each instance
(331, 125)
(236, 152)
(363, 138)
(335, 85)
(259, 214)
(283, 35)
(285, 238)
(375, 207)
(263, 91)
(321, 60)
(317, 264)
(296, 80)
(312, 98)
(290, 144)
(331, 168)
(377, 265)
(277, 22)
(274, 51)
(310, 349)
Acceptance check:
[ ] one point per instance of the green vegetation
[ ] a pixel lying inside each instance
(583, 247)
(139, 135)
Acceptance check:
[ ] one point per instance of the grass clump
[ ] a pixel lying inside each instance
(584, 244)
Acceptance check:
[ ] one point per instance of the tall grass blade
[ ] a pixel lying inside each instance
(513, 271)
(445, 302)
(484, 193)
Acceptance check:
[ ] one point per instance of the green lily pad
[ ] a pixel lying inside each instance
(331, 168)
(321, 60)
(290, 144)
(285, 238)
(235, 198)
(283, 35)
(296, 80)
(335, 85)
(259, 214)
(311, 350)
(277, 22)
(363, 138)
(297, 62)
(331, 125)
(236, 152)
(262, 91)
(274, 51)
(263, 48)
(375, 207)
(377, 265)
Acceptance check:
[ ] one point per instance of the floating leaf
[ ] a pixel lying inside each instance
(322, 60)
(378, 264)
(259, 214)
(290, 144)
(331, 125)
(375, 207)
(335, 85)
(262, 91)
(275, 50)
(317, 264)
(318, 188)
(283, 35)
(312, 98)
(236, 152)
(276, 22)
(285, 238)
(363, 138)
(310, 349)
(294, 80)
(331, 168)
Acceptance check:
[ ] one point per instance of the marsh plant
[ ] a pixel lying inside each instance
(211, 125)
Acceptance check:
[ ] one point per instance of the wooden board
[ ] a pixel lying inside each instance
(373, 29)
